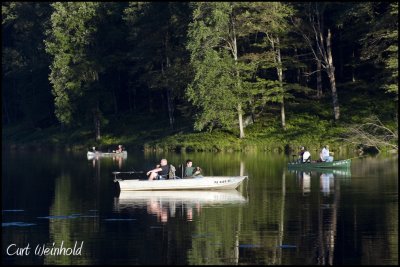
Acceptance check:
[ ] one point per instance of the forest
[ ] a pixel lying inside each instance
(200, 76)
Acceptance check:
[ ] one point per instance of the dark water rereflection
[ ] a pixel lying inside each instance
(275, 217)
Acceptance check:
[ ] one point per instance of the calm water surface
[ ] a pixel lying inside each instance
(277, 216)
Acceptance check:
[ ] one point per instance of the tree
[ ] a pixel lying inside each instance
(270, 20)
(319, 39)
(217, 89)
(373, 133)
(160, 60)
(381, 42)
(72, 71)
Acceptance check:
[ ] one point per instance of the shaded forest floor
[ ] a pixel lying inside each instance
(152, 132)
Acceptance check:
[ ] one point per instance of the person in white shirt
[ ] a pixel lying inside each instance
(306, 156)
(326, 155)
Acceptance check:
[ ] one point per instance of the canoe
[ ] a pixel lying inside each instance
(140, 198)
(204, 183)
(91, 155)
(334, 164)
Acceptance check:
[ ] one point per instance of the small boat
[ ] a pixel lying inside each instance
(334, 164)
(92, 155)
(203, 183)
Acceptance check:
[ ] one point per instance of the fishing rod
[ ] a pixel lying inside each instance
(130, 172)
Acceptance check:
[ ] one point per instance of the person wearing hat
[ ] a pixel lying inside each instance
(301, 152)
(326, 155)
(119, 149)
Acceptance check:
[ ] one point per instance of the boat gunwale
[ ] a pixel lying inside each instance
(345, 163)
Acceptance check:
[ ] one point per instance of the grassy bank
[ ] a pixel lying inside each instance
(152, 133)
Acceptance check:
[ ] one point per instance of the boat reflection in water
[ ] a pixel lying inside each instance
(326, 177)
(165, 204)
(326, 183)
(321, 189)
(306, 182)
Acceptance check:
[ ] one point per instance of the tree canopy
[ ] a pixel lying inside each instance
(221, 65)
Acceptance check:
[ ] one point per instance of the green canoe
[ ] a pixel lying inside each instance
(333, 165)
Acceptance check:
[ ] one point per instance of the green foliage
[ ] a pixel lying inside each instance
(68, 41)
(217, 86)
(211, 91)
(149, 70)
(380, 43)
(159, 61)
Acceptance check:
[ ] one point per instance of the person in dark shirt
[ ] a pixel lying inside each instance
(159, 172)
(301, 152)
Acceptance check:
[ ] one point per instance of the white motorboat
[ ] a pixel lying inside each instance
(203, 183)
(97, 154)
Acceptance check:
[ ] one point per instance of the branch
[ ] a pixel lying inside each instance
(373, 133)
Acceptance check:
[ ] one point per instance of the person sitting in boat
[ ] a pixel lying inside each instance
(159, 173)
(191, 171)
(306, 156)
(301, 152)
(119, 149)
(325, 155)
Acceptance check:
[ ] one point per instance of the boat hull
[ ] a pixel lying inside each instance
(204, 183)
(92, 155)
(333, 165)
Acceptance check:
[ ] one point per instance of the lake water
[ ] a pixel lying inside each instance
(277, 216)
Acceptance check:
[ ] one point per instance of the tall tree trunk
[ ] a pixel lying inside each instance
(130, 101)
(279, 71)
(150, 102)
(170, 108)
(331, 74)
(340, 61)
(134, 98)
(240, 117)
(353, 76)
(7, 117)
(170, 102)
(319, 80)
(322, 51)
(116, 93)
(96, 118)
(235, 56)
(298, 72)
(115, 101)
(280, 77)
